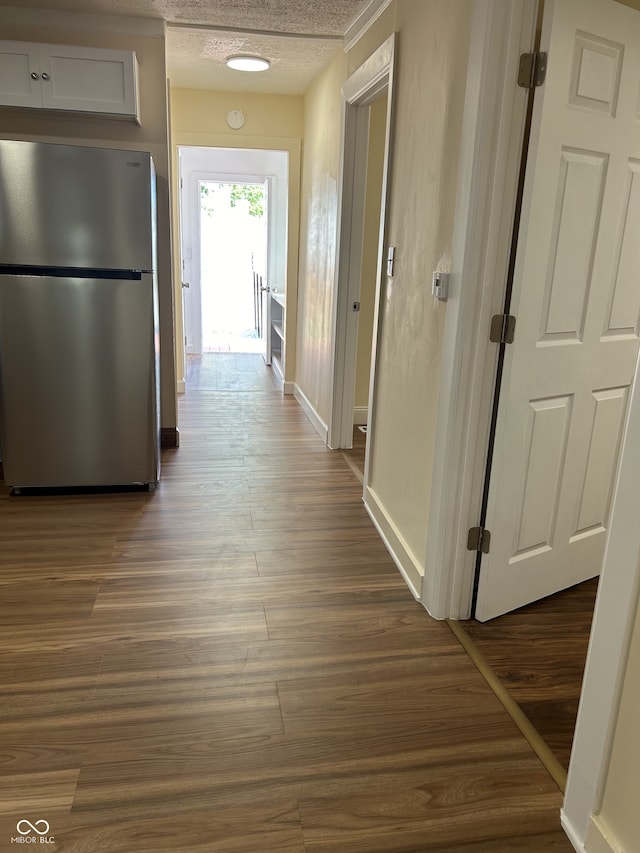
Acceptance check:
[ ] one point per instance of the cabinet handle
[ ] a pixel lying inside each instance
(34, 76)
(45, 76)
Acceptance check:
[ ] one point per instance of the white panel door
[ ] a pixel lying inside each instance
(576, 299)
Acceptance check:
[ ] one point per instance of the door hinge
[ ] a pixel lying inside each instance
(503, 328)
(532, 70)
(479, 539)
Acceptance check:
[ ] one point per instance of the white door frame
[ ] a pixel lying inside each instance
(372, 78)
(193, 218)
(207, 160)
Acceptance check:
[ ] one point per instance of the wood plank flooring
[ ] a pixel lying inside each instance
(232, 664)
(355, 456)
(539, 653)
(229, 371)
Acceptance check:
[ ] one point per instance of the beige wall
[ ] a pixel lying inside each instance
(431, 63)
(617, 827)
(318, 221)
(373, 200)
(272, 122)
(433, 43)
(150, 135)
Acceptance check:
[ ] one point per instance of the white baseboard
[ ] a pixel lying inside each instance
(571, 833)
(321, 428)
(600, 838)
(401, 555)
(288, 387)
(360, 415)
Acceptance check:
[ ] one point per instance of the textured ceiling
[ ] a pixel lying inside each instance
(196, 49)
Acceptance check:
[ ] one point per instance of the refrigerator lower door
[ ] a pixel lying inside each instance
(78, 381)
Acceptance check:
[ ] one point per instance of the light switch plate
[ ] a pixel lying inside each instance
(391, 255)
(440, 285)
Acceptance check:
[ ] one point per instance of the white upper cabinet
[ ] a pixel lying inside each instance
(19, 78)
(75, 79)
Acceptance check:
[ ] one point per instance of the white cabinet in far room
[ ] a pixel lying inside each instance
(69, 78)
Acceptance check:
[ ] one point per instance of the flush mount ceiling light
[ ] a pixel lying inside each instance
(243, 62)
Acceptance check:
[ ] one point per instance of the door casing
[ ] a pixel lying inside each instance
(367, 83)
(489, 167)
(200, 163)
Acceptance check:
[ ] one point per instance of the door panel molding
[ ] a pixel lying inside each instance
(573, 202)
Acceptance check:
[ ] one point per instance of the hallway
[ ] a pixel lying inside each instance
(233, 664)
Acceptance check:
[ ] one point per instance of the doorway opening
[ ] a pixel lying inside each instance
(368, 96)
(234, 253)
(376, 119)
(233, 246)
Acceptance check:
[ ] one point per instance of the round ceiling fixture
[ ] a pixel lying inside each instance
(244, 62)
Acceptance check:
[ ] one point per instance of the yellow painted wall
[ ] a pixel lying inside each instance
(431, 64)
(272, 122)
(619, 820)
(318, 221)
(375, 163)
(150, 135)
(433, 41)
(204, 112)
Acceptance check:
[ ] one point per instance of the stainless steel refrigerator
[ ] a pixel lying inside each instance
(79, 346)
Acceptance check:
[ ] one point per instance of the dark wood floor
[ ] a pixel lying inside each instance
(232, 664)
(355, 455)
(539, 652)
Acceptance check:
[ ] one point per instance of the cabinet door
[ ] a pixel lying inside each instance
(89, 80)
(18, 61)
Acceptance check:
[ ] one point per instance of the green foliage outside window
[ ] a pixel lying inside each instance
(253, 193)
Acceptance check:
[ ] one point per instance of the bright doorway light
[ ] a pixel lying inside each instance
(233, 243)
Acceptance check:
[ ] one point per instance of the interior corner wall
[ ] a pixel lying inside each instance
(318, 235)
(272, 122)
(150, 135)
(432, 48)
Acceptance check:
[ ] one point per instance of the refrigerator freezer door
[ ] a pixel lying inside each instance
(71, 206)
(78, 381)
